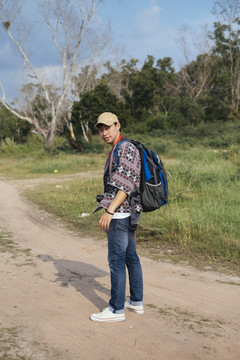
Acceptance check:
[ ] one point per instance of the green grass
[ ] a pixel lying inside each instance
(7, 245)
(41, 164)
(202, 219)
(30, 160)
(72, 201)
(202, 216)
(203, 212)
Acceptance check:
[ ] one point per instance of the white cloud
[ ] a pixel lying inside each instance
(148, 20)
(50, 74)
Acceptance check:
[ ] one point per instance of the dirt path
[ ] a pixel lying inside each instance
(47, 294)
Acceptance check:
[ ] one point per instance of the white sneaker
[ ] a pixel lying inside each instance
(138, 309)
(107, 315)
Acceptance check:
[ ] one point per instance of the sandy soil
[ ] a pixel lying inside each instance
(47, 294)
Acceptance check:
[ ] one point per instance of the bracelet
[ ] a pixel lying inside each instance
(108, 212)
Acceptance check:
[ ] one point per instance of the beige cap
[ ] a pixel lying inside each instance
(106, 118)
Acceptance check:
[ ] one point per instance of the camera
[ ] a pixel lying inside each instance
(99, 198)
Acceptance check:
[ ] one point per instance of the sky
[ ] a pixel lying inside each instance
(139, 28)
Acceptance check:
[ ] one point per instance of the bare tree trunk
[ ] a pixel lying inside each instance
(84, 130)
(229, 13)
(72, 132)
(68, 22)
(69, 125)
(48, 141)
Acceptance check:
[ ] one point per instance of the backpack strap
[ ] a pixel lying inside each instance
(115, 153)
(135, 198)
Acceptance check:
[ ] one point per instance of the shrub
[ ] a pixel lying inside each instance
(8, 145)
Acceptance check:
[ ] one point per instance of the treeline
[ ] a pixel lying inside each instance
(154, 96)
(157, 97)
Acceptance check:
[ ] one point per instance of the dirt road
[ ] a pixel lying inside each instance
(47, 294)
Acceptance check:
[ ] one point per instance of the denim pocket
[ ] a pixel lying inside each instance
(120, 224)
(123, 224)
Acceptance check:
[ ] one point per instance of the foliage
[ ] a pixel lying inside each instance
(10, 127)
(156, 97)
(205, 90)
(8, 145)
(92, 104)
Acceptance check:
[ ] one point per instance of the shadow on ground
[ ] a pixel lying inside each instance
(82, 276)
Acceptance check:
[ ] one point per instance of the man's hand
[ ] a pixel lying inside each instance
(104, 221)
(106, 218)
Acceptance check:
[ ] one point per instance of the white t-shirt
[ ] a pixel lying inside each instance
(121, 215)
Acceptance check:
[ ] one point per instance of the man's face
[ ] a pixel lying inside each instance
(109, 134)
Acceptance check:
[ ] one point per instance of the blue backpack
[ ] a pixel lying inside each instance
(153, 191)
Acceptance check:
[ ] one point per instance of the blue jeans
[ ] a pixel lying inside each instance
(122, 253)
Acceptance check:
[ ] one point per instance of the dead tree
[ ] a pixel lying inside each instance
(79, 40)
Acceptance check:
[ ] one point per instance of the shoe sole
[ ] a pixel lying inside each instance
(107, 320)
(139, 312)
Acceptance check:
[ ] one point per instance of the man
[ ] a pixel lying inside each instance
(119, 181)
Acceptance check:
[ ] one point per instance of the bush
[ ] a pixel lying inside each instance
(156, 122)
(35, 140)
(8, 145)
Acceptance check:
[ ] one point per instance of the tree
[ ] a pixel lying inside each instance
(195, 76)
(92, 104)
(227, 10)
(78, 40)
(227, 44)
(228, 48)
(86, 80)
(118, 76)
(144, 87)
(128, 73)
(151, 86)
